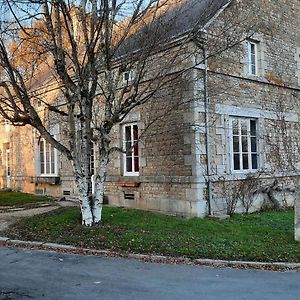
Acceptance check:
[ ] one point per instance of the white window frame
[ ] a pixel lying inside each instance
(7, 126)
(252, 62)
(93, 159)
(8, 167)
(51, 173)
(241, 152)
(125, 155)
(131, 76)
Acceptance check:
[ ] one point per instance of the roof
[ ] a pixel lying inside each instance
(182, 18)
(193, 14)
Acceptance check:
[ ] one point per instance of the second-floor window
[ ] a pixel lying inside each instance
(48, 159)
(252, 58)
(128, 76)
(130, 144)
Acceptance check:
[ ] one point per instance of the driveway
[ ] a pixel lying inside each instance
(33, 274)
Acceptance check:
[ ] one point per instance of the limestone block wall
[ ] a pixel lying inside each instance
(167, 180)
(271, 97)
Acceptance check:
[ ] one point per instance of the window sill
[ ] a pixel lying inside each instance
(128, 184)
(46, 179)
(245, 171)
(133, 174)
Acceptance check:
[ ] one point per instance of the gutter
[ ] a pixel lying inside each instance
(207, 132)
(208, 178)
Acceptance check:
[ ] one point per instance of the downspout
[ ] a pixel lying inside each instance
(207, 131)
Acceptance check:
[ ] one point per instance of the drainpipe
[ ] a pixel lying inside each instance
(207, 131)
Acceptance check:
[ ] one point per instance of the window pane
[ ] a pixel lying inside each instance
(136, 149)
(135, 137)
(128, 133)
(253, 69)
(128, 148)
(245, 162)
(126, 76)
(135, 132)
(254, 161)
(42, 157)
(92, 170)
(236, 161)
(253, 127)
(136, 164)
(236, 144)
(253, 144)
(92, 160)
(8, 163)
(244, 144)
(235, 127)
(52, 160)
(128, 164)
(47, 160)
(252, 49)
(244, 127)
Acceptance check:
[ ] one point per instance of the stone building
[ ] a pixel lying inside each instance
(232, 145)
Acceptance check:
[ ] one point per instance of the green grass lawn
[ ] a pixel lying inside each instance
(266, 236)
(16, 198)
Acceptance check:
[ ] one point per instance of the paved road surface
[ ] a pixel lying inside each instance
(28, 274)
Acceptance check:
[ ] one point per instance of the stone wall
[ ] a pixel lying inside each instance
(272, 97)
(167, 180)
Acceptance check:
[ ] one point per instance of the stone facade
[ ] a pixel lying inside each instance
(178, 174)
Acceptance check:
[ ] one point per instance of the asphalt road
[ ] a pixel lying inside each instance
(31, 274)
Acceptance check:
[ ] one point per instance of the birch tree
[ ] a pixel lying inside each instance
(96, 53)
(106, 58)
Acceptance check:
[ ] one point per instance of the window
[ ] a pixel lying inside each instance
(297, 58)
(48, 159)
(130, 144)
(244, 152)
(92, 159)
(6, 126)
(128, 76)
(252, 58)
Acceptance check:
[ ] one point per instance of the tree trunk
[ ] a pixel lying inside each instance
(85, 204)
(91, 204)
(99, 185)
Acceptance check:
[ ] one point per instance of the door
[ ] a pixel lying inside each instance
(8, 169)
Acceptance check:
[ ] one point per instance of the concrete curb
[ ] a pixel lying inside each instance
(276, 266)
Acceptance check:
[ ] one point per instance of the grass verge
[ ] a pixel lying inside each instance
(266, 236)
(16, 198)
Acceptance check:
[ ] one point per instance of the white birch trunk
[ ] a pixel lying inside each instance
(99, 190)
(86, 212)
(83, 188)
(85, 206)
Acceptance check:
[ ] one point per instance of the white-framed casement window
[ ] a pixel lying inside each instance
(47, 159)
(92, 159)
(244, 144)
(252, 49)
(7, 126)
(128, 76)
(130, 144)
